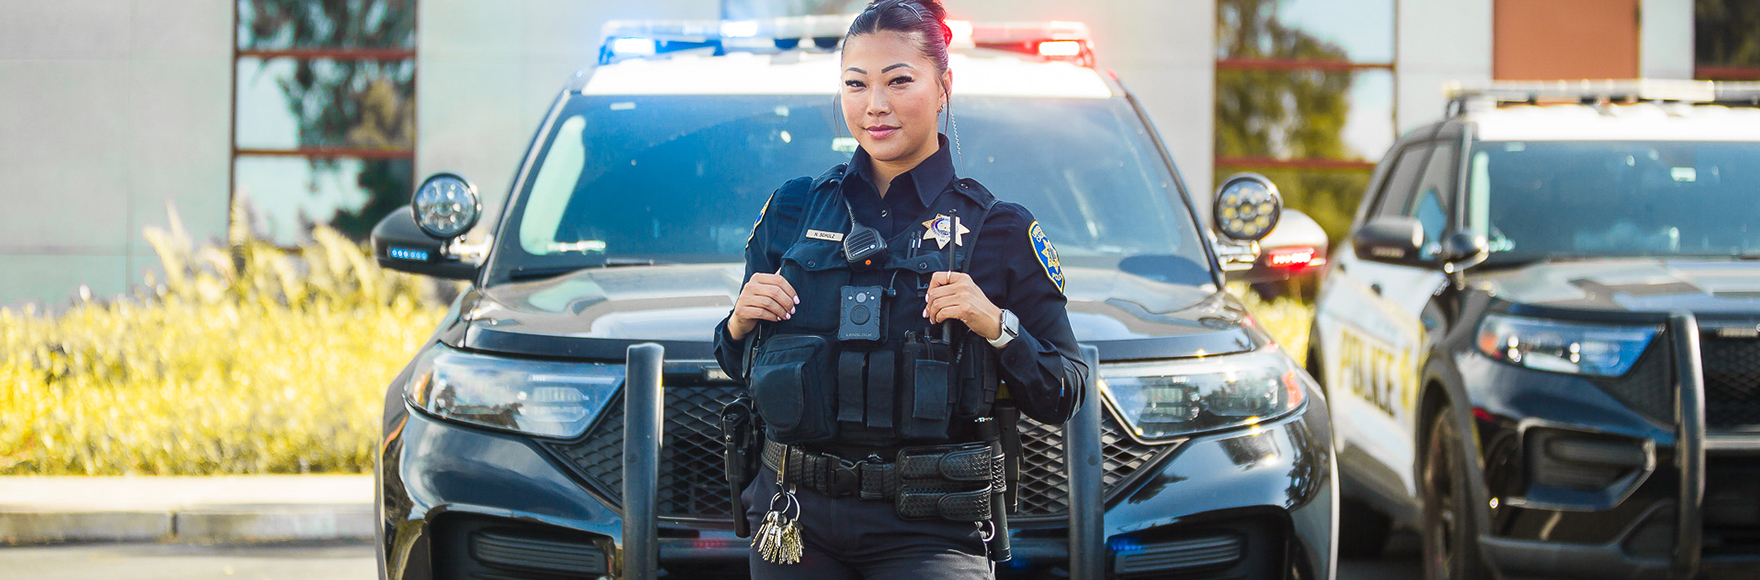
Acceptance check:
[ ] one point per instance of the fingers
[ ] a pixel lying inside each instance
(946, 278)
(779, 282)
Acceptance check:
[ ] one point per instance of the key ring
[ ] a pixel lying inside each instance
(987, 531)
(788, 501)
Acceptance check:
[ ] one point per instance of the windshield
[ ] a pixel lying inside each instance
(1539, 200)
(680, 179)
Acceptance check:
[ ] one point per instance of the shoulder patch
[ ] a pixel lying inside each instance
(1047, 254)
(760, 220)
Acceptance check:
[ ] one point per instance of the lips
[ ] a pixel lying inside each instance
(881, 131)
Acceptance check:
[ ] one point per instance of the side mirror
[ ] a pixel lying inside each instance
(1464, 249)
(415, 238)
(1391, 239)
(1247, 207)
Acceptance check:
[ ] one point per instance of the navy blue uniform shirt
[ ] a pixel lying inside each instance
(1012, 263)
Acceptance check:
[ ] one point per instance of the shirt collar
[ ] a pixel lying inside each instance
(930, 177)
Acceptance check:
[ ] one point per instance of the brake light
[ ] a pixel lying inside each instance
(1294, 258)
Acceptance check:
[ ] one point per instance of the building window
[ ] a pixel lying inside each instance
(323, 114)
(1305, 95)
(1726, 40)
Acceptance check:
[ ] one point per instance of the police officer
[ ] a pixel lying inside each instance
(885, 304)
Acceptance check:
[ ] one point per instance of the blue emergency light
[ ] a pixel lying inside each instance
(625, 39)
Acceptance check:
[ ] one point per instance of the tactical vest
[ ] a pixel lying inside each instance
(811, 387)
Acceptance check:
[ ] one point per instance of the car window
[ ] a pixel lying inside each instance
(1401, 181)
(1432, 204)
(680, 178)
(1563, 199)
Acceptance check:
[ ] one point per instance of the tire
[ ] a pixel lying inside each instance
(1451, 545)
(1362, 531)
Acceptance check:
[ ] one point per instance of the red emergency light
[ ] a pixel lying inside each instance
(1294, 258)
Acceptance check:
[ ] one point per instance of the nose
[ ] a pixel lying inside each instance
(878, 105)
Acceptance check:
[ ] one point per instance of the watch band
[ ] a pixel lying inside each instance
(1010, 328)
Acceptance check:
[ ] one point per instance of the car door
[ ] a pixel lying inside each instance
(1369, 323)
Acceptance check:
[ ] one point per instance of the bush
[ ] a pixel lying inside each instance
(1287, 320)
(247, 359)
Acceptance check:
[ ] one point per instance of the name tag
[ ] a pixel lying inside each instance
(823, 235)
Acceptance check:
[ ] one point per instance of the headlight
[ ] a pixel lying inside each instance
(530, 396)
(1168, 399)
(1565, 347)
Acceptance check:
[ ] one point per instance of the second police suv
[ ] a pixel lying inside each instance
(1540, 342)
(504, 451)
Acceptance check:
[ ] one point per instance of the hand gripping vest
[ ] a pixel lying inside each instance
(810, 387)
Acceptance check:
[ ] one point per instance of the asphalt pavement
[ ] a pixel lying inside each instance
(354, 561)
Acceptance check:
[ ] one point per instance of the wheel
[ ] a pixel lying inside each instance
(1450, 538)
(1362, 531)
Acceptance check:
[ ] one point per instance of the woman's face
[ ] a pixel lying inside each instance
(891, 95)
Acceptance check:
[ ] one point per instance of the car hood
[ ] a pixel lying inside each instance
(597, 313)
(1646, 285)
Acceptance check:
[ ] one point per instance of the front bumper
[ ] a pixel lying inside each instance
(1255, 502)
(1597, 478)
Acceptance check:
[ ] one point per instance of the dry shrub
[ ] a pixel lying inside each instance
(245, 359)
(1286, 319)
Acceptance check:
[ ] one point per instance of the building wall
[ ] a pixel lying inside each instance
(1438, 41)
(487, 72)
(109, 110)
(1565, 39)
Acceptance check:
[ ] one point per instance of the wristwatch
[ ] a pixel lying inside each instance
(1011, 327)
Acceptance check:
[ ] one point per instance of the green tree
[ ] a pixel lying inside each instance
(1727, 32)
(1286, 114)
(362, 103)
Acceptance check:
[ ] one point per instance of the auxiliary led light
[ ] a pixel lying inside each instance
(633, 47)
(1060, 48)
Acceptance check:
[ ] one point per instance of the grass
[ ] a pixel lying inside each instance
(244, 359)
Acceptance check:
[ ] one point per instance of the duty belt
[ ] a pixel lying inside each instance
(951, 482)
(834, 476)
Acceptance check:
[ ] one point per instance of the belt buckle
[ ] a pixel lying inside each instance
(845, 478)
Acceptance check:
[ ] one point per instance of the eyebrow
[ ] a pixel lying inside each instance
(884, 70)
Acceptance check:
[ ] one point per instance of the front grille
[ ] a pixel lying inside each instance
(1649, 387)
(1732, 382)
(693, 483)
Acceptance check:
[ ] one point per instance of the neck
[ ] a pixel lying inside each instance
(886, 171)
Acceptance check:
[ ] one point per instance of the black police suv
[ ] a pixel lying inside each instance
(1540, 343)
(503, 451)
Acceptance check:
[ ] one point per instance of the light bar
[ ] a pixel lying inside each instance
(1057, 40)
(1464, 96)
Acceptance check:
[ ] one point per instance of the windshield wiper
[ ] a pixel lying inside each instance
(534, 273)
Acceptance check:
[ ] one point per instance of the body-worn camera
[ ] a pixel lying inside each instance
(862, 316)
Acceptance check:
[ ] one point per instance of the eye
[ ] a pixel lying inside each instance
(901, 80)
(854, 84)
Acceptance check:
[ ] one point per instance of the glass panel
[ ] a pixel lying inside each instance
(289, 194)
(296, 24)
(286, 103)
(1330, 197)
(745, 9)
(628, 178)
(1308, 114)
(1342, 30)
(1541, 200)
(1726, 33)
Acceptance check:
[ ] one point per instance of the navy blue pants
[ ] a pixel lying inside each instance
(851, 538)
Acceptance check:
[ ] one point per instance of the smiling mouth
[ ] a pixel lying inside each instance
(881, 131)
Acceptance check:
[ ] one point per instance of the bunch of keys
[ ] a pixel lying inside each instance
(779, 537)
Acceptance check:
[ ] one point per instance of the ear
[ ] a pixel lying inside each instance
(946, 86)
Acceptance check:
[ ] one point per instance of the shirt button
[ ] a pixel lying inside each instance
(884, 213)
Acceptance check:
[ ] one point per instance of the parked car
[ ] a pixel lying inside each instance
(1540, 341)
(1291, 258)
(503, 439)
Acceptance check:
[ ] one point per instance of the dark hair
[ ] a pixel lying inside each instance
(925, 17)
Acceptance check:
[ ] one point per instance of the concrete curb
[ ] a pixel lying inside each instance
(217, 510)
